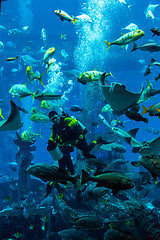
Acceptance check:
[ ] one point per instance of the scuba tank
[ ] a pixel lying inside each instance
(84, 129)
(56, 153)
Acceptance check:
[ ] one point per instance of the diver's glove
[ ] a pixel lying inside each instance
(51, 145)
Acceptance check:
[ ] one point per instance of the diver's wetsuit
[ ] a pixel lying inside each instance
(68, 134)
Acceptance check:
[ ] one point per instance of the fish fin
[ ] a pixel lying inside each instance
(128, 140)
(92, 75)
(76, 181)
(158, 110)
(85, 177)
(145, 110)
(74, 20)
(108, 44)
(146, 120)
(129, 7)
(133, 132)
(49, 64)
(40, 78)
(39, 133)
(122, 46)
(154, 176)
(48, 68)
(34, 95)
(134, 47)
(136, 163)
(148, 83)
(152, 62)
(111, 74)
(1, 114)
(151, 106)
(115, 191)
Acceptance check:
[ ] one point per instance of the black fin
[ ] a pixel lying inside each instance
(133, 132)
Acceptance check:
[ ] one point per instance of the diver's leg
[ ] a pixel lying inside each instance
(61, 162)
(82, 145)
(69, 163)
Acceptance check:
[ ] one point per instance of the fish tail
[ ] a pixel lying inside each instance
(39, 133)
(74, 20)
(111, 74)
(145, 110)
(1, 114)
(148, 83)
(146, 120)
(40, 78)
(85, 177)
(49, 64)
(16, 57)
(108, 44)
(34, 95)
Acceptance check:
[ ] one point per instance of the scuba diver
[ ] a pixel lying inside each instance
(67, 133)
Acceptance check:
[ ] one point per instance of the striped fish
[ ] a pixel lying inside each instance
(126, 38)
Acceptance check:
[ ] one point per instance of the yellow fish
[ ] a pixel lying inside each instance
(126, 38)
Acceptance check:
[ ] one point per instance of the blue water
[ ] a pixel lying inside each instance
(86, 51)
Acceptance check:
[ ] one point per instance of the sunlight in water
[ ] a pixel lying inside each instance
(26, 15)
(91, 51)
(57, 84)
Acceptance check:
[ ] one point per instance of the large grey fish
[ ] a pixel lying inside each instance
(113, 180)
(152, 164)
(14, 120)
(47, 96)
(48, 172)
(93, 193)
(21, 91)
(88, 223)
(128, 137)
(27, 60)
(73, 233)
(151, 47)
(117, 96)
(151, 148)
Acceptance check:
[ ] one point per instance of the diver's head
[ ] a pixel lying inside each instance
(53, 115)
